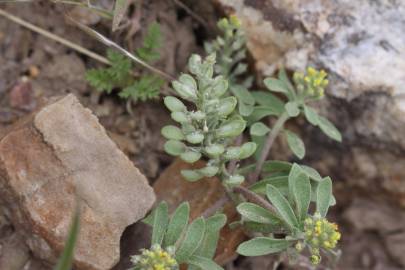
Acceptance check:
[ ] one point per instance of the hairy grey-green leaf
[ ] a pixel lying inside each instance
(213, 225)
(276, 85)
(191, 175)
(292, 109)
(179, 117)
(283, 207)
(259, 129)
(323, 196)
(195, 137)
(247, 149)
(295, 143)
(171, 132)
(160, 222)
(203, 263)
(214, 150)
(191, 241)
(263, 245)
(269, 100)
(220, 86)
(300, 187)
(233, 152)
(177, 225)
(231, 129)
(190, 156)
(311, 115)
(257, 213)
(174, 104)
(194, 64)
(209, 171)
(226, 106)
(329, 129)
(312, 173)
(185, 90)
(174, 148)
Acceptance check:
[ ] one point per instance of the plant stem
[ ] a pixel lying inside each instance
(268, 144)
(253, 197)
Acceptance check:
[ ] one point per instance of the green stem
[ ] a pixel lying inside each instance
(278, 126)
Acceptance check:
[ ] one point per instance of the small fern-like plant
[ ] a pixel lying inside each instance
(119, 76)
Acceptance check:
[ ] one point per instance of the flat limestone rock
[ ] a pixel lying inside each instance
(62, 155)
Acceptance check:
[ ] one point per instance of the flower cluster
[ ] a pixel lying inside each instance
(312, 83)
(155, 258)
(320, 233)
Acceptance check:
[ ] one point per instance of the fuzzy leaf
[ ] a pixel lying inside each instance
(231, 129)
(282, 205)
(312, 173)
(171, 132)
(191, 175)
(226, 106)
(295, 143)
(259, 129)
(160, 222)
(190, 156)
(292, 109)
(263, 245)
(174, 104)
(178, 223)
(247, 149)
(174, 148)
(323, 196)
(257, 213)
(311, 115)
(269, 100)
(203, 263)
(213, 225)
(191, 241)
(300, 186)
(329, 129)
(276, 85)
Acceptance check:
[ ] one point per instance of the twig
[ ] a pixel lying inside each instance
(192, 13)
(54, 37)
(267, 146)
(217, 205)
(253, 197)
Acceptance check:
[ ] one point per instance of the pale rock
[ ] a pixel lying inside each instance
(61, 155)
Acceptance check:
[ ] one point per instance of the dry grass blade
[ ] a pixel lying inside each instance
(54, 37)
(114, 45)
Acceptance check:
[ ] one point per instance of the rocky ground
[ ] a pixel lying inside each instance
(360, 44)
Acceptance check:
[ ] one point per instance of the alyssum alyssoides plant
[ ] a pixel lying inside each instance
(176, 242)
(210, 127)
(208, 130)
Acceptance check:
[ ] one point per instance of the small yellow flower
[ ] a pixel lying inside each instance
(320, 233)
(315, 259)
(235, 21)
(312, 83)
(155, 258)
